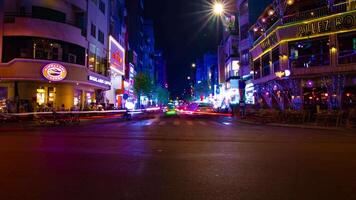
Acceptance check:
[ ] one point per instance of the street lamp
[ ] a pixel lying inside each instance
(218, 8)
(194, 65)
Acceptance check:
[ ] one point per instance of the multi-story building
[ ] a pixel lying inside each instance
(229, 63)
(206, 75)
(135, 20)
(148, 52)
(160, 70)
(304, 54)
(53, 53)
(117, 54)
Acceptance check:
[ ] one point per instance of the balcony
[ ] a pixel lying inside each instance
(304, 15)
(28, 26)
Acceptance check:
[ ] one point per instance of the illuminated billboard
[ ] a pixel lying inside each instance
(117, 56)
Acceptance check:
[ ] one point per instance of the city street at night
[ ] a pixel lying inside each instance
(179, 157)
(178, 100)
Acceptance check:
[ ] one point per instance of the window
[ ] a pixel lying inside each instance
(243, 8)
(245, 59)
(309, 53)
(257, 69)
(244, 32)
(3, 93)
(101, 37)
(266, 68)
(102, 6)
(275, 60)
(49, 14)
(97, 61)
(42, 48)
(93, 30)
(347, 48)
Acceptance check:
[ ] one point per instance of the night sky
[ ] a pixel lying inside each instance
(177, 24)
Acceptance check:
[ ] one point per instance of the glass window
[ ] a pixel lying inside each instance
(266, 65)
(41, 48)
(244, 31)
(97, 61)
(102, 6)
(309, 53)
(93, 30)
(243, 8)
(275, 60)
(347, 48)
(257, 69)
(49, 14)
(101, 37)
(3, 93)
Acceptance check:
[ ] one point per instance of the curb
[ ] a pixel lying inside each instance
(296, 126)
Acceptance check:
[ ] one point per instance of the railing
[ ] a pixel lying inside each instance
(310, 14)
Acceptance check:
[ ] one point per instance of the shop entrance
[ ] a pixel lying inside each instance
(46, 97)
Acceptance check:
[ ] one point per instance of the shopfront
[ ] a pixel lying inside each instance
(33, 85)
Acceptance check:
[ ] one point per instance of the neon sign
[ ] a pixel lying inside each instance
(99, 80)
(117, 56)
(54, 72)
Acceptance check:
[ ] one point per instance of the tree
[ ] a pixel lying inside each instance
(162, 95)
(142, 86)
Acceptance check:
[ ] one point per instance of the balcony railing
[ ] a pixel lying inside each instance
(304, 15)
(310, 14)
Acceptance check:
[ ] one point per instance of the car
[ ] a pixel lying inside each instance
(170, 110)
(200, 108)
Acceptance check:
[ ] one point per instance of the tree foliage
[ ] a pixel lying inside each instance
(142, 84)
(162, 95)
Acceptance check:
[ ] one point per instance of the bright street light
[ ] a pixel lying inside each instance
(218, 8)
(194, 65)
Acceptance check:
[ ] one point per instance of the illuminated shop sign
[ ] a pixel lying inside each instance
(281, 74)
(54, 72)
(99, 80)
(117, 56)
(338, 23)
(269, 42)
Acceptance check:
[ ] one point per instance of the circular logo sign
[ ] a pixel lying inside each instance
(54, 72)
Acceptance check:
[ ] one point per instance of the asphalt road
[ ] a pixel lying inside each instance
(175, 158)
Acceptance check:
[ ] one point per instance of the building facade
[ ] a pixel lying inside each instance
(304, 55)
(53, 54)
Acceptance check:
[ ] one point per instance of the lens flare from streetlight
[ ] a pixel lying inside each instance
(218, 8)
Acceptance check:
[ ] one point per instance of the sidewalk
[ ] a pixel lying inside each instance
(302, 126)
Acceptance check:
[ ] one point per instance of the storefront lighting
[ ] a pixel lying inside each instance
(287, 72)
(326, 94)
(348, 94)
(333, 49)
(263, 20)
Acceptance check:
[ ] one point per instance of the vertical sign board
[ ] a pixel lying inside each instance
(117, 56)
(354, 43)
